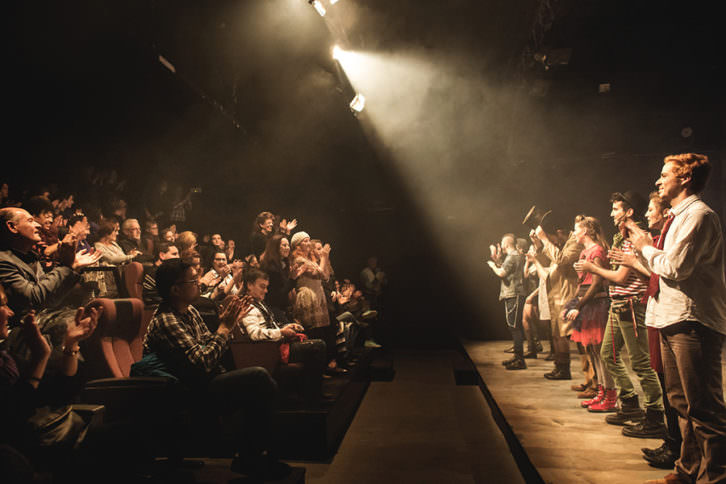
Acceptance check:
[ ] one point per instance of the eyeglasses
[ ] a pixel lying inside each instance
(193, 281)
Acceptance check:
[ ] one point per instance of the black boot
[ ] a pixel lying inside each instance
(629, 411)
(652, 427)
(561, 372)
(664, 457)
(516, 364)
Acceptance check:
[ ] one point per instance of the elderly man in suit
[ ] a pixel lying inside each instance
(26, 285)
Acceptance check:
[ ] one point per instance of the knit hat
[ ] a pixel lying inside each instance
(297, 238)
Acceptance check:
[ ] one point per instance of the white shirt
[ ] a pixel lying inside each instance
(258, 329)
(691, 269)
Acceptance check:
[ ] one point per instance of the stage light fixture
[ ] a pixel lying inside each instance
(358, 103)
(337, 52)
(318, 5)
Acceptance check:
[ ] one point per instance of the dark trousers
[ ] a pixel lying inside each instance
(312, 354)
(245, 399)
(513, 308)
(691, 356)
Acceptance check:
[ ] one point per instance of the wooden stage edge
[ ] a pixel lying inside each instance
(552, 438)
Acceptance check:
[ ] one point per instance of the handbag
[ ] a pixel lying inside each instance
(55, 426)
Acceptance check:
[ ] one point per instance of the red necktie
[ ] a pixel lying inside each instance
(653, 283)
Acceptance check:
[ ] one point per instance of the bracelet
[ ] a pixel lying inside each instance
(71, 351)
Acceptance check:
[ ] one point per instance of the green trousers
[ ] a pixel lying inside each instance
(620, 331)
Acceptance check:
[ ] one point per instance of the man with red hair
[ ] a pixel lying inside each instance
(690, 311)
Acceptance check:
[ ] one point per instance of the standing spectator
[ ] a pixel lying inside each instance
(373, 280)
(690, 311)
(512, 293)
(180, 205)
(274, 262)
(261, 232)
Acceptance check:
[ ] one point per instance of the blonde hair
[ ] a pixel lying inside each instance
(594, 230)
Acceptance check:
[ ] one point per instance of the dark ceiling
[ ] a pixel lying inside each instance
(257, 111)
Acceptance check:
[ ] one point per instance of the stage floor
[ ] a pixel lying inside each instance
(566, 443)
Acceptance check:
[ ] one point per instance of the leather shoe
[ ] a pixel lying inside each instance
(558, 374)
(509, 361)
(531, 355)
(510, 349)
(550, 357)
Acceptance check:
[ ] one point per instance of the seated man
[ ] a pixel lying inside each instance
(130, 240)
(164, 251)
(260, 325)
(26, 285)
(178, 336)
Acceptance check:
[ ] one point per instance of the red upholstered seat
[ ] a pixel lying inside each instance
(116, 344)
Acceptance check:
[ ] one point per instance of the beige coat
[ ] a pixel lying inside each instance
(562, 279)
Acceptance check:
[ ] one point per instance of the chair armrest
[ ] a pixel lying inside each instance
(92, 414)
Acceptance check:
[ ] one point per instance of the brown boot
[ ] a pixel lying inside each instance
(672, 478)
(589, 392)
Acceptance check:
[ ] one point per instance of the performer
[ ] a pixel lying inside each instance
(511, 273)
(690, 310)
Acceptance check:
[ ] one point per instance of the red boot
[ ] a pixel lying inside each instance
(607, 404)
(598, 398)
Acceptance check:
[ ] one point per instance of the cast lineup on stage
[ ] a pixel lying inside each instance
(657, 292)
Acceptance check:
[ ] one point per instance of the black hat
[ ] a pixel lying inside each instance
(537, 217)
(638, 203)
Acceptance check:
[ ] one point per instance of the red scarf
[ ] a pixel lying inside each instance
(654, 282)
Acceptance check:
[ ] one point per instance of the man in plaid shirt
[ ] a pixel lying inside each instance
(178, 336)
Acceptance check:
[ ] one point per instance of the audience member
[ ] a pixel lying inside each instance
(260, 324)
(261, 232)
(178, 336)
(111, 253)
(274, 262)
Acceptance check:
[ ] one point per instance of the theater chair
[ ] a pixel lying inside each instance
(109, 354)
(246, 353)
(133, 276)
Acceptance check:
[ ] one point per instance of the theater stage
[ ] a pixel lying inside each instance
(564, 442)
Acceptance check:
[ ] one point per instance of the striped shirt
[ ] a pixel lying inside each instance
(635, 285)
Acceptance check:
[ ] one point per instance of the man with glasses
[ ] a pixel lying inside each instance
(179, 337)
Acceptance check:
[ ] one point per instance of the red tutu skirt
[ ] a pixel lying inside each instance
(591, 322)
